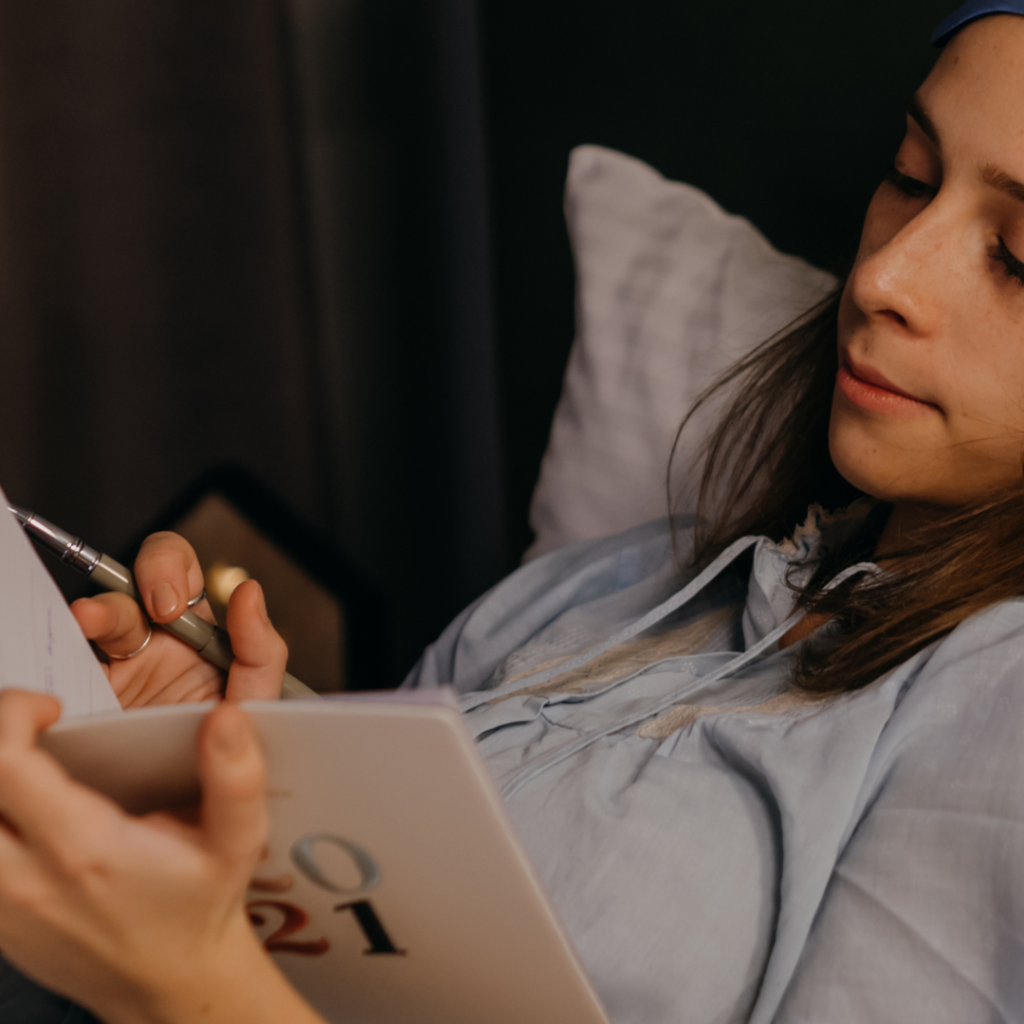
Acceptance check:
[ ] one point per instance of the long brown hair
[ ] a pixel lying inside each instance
(768, 460)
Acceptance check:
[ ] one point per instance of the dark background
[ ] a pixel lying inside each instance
(322, 240)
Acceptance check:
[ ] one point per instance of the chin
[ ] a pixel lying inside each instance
(877, 467)
(864, 480)
(902, 469)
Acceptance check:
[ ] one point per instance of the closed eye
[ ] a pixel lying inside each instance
(1014, 267)
(910, 187)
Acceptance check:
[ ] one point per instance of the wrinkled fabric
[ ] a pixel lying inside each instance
(857, 859)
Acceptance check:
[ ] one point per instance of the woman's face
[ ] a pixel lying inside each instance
(929, 401)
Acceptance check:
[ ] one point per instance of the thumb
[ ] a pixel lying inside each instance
(260, 653)
(233, 814)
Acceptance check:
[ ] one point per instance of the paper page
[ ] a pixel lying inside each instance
(41, 646)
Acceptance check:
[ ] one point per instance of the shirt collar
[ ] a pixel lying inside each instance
(770, 597)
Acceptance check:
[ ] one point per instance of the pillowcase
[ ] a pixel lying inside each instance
(670, 291)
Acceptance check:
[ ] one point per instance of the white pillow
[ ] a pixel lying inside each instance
(670, 291)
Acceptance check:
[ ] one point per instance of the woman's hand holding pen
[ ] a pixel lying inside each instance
(167, 671)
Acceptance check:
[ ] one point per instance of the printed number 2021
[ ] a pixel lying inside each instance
(295, 918)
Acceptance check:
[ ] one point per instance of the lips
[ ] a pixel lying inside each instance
(871, 376)
(870, 389)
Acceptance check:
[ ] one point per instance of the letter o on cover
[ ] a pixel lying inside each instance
(304, 859)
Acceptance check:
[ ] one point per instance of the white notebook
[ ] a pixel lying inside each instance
(394, 890)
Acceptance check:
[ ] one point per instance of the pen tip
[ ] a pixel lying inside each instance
(22, 514)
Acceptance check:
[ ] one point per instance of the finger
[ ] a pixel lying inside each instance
(233, 812)
(23, 715)
(168, 575)
(260, 653)
(34, 788)
(114, 622)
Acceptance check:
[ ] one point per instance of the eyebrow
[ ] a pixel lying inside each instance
(1000, 180)
(990, 174)
(916, 111)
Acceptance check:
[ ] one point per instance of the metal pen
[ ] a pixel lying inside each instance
(210, 641)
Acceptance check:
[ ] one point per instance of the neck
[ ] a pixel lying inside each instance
(903, 520)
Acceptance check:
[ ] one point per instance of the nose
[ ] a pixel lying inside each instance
(909, 275)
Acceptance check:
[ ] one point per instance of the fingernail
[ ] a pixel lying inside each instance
(261, 604)
(165, 600)
(229, 734)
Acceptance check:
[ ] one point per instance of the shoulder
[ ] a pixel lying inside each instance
(949, 786)
(979, 664)
(964, 705)
(925, 905)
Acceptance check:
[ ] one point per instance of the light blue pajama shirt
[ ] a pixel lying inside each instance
(720, 851)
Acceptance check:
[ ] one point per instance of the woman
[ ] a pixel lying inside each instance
(792, 790)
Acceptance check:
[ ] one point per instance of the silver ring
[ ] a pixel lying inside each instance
(201, 596)
(125, 657)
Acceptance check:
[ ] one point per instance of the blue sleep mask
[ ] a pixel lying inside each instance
(971, 11)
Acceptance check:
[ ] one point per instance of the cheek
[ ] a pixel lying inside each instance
(979, 364)
(986, 404)
(929, 460)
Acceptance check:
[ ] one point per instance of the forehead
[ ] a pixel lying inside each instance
(975, 93)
